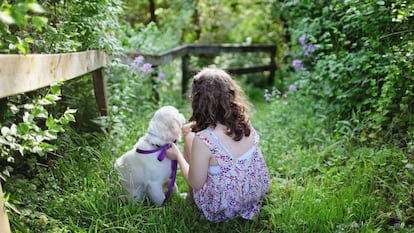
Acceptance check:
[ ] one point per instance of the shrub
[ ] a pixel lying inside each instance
(363, 67)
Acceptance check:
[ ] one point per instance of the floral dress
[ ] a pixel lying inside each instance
(236, 186)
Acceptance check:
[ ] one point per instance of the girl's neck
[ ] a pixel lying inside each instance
(220, 127)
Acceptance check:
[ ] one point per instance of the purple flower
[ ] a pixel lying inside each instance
(161, 76)
(137, 62)
(267, 95)
(297, 64)
(146, 68)
(311, 47)
(107, 70)
(292, 87)
(306, 53)
(302, 39)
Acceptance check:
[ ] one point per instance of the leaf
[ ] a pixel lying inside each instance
(5, 130)
(23, 128)
(47, 147)
(36, 7)
(55, 89)
(13, 129)
(39, 22)
(70, 111)
(28, 106)
(22, 48)
(50, 135)
(50, 122)
(6, 18)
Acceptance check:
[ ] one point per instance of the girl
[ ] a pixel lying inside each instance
(222, 162)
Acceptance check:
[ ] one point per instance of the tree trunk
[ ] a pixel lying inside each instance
(153, 17)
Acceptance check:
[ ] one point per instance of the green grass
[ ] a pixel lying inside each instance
(320, 183)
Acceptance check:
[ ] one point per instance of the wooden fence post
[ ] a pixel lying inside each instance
(100, 91)
(271, 79)
(4, 220)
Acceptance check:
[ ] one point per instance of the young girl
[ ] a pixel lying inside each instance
(223, 163)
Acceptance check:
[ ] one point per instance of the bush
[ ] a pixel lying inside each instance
(359, 63)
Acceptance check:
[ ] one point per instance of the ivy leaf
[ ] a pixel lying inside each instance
(6, 18)
(35, 7)
(39, 22)
(22, 48)
(47, 147)
(55, 89)
(5, 130)
(50, 122)
(23, 128)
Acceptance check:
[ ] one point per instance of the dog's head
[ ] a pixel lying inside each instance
(165, 126)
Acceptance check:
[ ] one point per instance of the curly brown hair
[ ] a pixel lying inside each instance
(216, 97)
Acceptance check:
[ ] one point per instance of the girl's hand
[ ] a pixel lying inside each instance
(187, 128)
(173, 153)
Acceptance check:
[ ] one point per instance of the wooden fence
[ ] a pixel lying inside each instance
(185, 51)
(23, 73)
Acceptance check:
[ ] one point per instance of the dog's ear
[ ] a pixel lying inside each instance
(167, 123)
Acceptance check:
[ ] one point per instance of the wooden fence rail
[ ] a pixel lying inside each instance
(23, 73)
(185, 51)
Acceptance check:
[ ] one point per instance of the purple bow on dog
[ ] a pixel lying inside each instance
(160, 158)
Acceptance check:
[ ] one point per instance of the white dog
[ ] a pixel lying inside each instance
(142, 173)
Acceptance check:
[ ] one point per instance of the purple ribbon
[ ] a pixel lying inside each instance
(160, 158)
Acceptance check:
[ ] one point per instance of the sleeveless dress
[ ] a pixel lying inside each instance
(236, 186)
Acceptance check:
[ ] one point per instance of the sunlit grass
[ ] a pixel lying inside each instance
(319, 184)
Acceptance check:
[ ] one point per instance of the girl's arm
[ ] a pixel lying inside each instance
(195, 172)
(200, 161)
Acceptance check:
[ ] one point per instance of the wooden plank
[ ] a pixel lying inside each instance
(22, 73)
(271, 78)
(99, 88)
(162, 58)
(4, 220)
(245, 70)
(228, 48)
(248, 70)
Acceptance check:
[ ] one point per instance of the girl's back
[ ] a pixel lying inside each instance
(237, 177)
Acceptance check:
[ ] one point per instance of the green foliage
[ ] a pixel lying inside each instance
(361, 64)
(30, 26)
(32, 128)
(320, 182)
(18, 22)
(28, 121)
(324, 183)
(355, 61)
(153, 39)
(81, 25)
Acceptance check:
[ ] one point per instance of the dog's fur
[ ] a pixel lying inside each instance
(142, 173)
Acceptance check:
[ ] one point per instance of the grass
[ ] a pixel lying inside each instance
(320, 183)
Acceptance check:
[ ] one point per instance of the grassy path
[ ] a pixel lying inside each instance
(320, 184)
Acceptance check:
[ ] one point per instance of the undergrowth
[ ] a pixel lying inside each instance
(320, 183)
